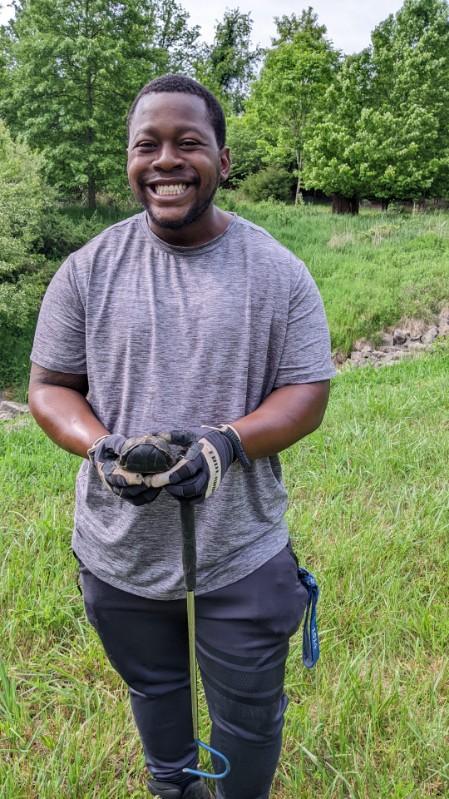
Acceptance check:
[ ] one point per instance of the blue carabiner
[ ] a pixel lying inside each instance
(206, 774)
(310, 640)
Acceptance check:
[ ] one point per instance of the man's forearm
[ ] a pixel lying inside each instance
(66, 417)
(285, 416)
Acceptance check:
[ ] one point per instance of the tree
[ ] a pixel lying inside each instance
(410, 55)
(293, 81)
(228, 65)
(288, 26)
(246, 149)
(332, 148)
(384, 132)
(75, 66)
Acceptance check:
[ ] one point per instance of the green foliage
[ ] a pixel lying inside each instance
(331, 152)
(272, 183)
(294, 78)
(66, 229)
(410, 56)
(383, 130)
(24, 198)
(74, 70)
(247, 150)
(228, 65)
(288, 26)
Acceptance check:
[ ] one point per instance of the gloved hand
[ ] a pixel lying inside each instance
(210, 452)
(125, 465)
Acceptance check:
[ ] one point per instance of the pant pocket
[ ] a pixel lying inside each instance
(77, 573)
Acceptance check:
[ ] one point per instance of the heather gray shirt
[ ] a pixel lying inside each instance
(174, 337)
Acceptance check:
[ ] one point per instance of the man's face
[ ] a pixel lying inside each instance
(174, 163)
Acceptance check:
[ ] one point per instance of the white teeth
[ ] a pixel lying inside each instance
(177, 188)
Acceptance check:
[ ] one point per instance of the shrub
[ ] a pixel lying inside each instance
(24, 197)
(272, 183)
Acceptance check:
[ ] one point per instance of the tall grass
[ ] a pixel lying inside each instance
(369, 514)
(372, 270)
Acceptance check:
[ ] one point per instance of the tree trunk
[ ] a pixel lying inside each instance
(90, 133)
(298, 196)
(385, 204)
(345, 205)
(91, 192)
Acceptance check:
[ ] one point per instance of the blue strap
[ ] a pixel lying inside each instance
(310, 641)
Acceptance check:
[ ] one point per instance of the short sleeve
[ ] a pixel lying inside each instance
(306, 354)
(59, 340)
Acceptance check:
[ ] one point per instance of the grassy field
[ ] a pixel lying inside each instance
(369, 515)
(372, 270)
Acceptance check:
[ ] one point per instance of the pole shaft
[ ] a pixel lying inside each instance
(192, 661)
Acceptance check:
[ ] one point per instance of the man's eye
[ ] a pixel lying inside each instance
(146, 145)
(189, 143)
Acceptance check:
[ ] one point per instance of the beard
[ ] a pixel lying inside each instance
(194, 213)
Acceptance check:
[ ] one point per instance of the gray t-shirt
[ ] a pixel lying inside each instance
(174, 337)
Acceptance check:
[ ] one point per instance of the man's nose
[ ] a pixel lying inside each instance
(168, 157)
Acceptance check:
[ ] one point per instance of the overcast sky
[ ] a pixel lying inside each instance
(349, 22)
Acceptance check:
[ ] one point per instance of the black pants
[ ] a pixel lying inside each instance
(243, 633)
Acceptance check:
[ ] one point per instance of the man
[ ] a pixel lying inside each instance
(186, 318)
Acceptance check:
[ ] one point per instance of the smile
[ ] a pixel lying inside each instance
(172, 190)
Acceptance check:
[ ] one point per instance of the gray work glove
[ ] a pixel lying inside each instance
(209, 452)
(126, 465)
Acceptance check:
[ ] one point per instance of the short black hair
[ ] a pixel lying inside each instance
(181, 83)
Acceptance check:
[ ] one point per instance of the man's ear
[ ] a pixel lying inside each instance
(225, 163)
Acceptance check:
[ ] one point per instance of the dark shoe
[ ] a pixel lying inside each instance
(168, 790)
(197, 790)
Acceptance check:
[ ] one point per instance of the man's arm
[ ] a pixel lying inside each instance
(57, 401)
(285, 416)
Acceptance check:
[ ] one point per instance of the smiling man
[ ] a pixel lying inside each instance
(191, 320)
(175, 165)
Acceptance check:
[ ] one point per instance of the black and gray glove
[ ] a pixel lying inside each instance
(209, 452)
(126, 465)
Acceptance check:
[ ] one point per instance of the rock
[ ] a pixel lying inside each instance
(443, 318)
(362, 344)
(415, 346)
(9, 409)
(392, 357)
(415, 328)
(430, 335)
(411, 337)
(399, 336)
(387, 339)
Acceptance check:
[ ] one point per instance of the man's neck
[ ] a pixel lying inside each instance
(199, 232)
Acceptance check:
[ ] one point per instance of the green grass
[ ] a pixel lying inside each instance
(372, 269)
(369, 515)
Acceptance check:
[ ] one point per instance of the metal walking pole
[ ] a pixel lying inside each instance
(189, 565)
